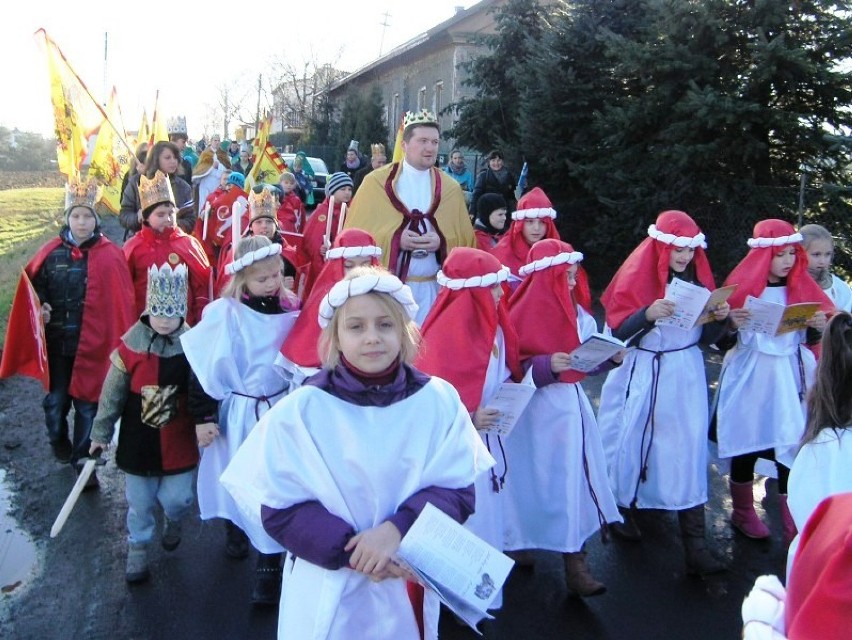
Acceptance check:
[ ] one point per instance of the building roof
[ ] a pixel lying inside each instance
(435, 33)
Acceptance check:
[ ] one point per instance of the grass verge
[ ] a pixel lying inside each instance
(28, 219)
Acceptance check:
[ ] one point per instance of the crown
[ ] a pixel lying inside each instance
(81, 193)
(377, 149)
(423, 116)
(167, 291)
(262, 205)
(177, 125)
(155, 190)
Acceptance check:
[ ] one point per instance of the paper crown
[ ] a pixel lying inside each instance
(423, 116)
(155, 190)
(176, 125)
(262, 204)
(81, 193)
(353, 145)
(167, 291)
(377, 149)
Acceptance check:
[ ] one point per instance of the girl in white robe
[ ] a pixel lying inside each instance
(469, 341)
(558, 494)
(819, 245)
(231, 352)
(653, 410)
(339, 470)
(765, 378)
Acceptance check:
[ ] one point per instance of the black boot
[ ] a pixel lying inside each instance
(627, 530)
(236, 541)
(699, 560)
(267, 581)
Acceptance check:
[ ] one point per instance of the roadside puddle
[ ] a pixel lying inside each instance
(17, 552)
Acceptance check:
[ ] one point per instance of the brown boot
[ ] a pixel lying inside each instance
(578, 578)
(699, 560)
(629, 529)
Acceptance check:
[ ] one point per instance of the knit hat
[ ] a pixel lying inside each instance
(487, 204)
(81, 193)
(464, 319)
(819, 593)
(752, 273)
(237, 178)
(643, 277)
(337, 181)
(513, 247)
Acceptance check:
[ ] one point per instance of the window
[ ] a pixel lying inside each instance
(421, 98)
(438, 103)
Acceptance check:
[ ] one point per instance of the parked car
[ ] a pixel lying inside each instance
(320, 174)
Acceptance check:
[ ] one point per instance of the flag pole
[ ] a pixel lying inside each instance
(48, 41)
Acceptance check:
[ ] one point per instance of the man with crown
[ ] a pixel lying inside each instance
(415, 212)
(179, 136)
(160, 241)
(85, 291)
(378, 159)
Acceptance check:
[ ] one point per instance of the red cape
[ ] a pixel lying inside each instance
(108, 313)
(313, 239)
(512, 248)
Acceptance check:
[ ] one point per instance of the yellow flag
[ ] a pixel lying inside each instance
(111, 157)
(75, 112)
(258, 152)
(269, 166)
(397, 145)
(144, 134)
(159, 132)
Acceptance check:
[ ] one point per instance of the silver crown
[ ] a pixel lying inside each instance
(167, 291)
(177, 125)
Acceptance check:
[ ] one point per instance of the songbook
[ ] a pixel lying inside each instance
(694, 305)
(463, 570)
(511, 400)
(594, 351)
(773, 319)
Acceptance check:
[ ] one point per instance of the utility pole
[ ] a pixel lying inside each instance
(105, 94)
(257, 113)
(384, 24)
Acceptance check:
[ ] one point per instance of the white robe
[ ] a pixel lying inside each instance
(840, 294)
(677, 457)
(232, 351)
(758, 405)
(548, 503)
(822, 468)
(361, 463)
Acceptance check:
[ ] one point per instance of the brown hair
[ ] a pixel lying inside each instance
(329, 342)
(152, 162)
(830, 399)
(236, 286)
(408, 132)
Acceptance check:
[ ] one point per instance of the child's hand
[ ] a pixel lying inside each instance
(93, 448)
(289, 282)
(560, 362)
(738, 316)
(485, 418)
(373, 549)
(721, 312)
(323, 249)
(206, 433)
(661, 308)
(817, 321)
(618, 358)
(45, 312)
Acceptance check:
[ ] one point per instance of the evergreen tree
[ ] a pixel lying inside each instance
(362, 118)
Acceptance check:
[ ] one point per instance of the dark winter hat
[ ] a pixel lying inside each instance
(337, 181)
(237, 178)
(487, 204)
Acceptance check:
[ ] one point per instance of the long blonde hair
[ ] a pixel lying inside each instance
(409, 334)
(236, 286)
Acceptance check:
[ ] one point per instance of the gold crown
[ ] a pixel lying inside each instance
(81, 193)
(424, 116)
(156, 190)
(262, 205)
(167, 291)
(377, 149)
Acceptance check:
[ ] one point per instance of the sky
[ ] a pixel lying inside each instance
(188, 54)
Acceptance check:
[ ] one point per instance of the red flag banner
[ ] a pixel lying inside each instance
(25, 349)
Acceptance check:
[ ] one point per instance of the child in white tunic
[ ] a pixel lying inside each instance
(653, 410)
(822, 466)
(231, 352)
(338, 471)
(764, 379)
(819, 245)
(559, 494)
(469, 341)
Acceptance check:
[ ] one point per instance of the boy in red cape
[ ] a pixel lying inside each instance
(219, 215)
(161, 242)
(84, 287)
